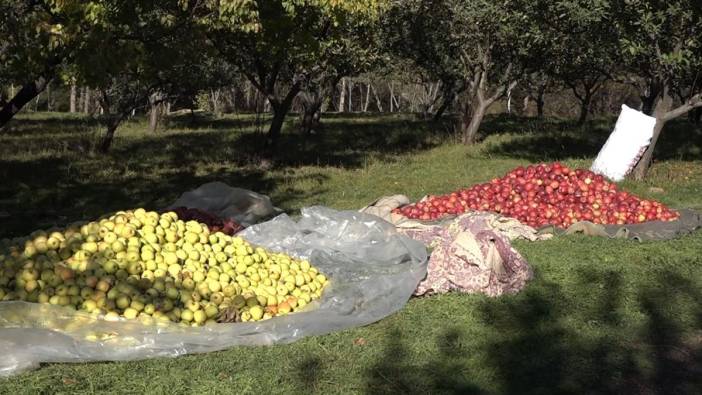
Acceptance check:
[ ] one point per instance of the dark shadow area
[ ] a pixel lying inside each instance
(445, 372)
(50, 192)
(309, 371)
(203, 120)
(511, 123)
(345, 142)
(348, 142)
(613, 354)
(48, 125)
(528, 344)
(548, 140)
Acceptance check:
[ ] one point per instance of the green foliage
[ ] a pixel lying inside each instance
(37, 36)
(572, 40)
(661, 40)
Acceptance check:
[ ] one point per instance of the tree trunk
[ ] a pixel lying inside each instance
(509, 102)
(214, 98)
(24, 96)
(154, 115)
(342, 96)
(311, 114)
(398, 99)
(367, 102)
(648, 99)
(664, 112)
(540, 101)
(86, 100)
(280, 110)
(446, 102)
(392, 96)
(350, 84)
(48, 97)
(540, 107)
(525, 105)
(377, 100)
(662, 107)
(275, 128)
(470, 123)
(72, 101)
(107, 139)
(584, 108)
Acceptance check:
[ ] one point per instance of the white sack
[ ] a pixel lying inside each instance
(631, 136)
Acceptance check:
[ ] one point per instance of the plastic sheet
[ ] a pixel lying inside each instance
(373, 272)
(244, 206)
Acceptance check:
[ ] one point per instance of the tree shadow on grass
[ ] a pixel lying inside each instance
(349, 143)
(203, 120)
(46, 193)
(550, 140)
(446, 372)
(48, 125)
(552, 340)
(609, 353)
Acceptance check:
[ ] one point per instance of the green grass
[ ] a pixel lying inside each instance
(601, 316)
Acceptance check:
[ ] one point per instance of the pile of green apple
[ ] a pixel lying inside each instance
(157, 268)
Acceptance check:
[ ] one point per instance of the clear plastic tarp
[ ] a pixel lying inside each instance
(373, 271)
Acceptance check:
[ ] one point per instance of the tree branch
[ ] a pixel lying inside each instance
(694, 102)
(501, 92)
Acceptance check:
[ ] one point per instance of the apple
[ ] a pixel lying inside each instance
(155, 267)
(554, 194)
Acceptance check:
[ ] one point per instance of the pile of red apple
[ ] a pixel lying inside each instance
(545, 194)
(213, 222)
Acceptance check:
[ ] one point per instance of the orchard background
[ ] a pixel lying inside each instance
(106, 106)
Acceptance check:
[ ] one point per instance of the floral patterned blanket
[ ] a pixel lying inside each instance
(469, 253)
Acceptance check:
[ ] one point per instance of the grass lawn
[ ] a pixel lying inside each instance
(601, 316)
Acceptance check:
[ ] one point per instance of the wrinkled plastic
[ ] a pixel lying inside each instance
(244, 206)
(373, 271)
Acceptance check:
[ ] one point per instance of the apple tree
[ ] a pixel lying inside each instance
(350, 50)
(661, 47)
(37, 38)
(573, 42)
(292, 46)
(472, 47)
(154, 49)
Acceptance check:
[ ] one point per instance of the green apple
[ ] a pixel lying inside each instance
(256, 312)
(130, 313)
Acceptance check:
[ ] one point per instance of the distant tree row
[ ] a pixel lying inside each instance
(113, 58)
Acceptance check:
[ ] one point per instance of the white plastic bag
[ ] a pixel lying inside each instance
(244, 206)
(631, 136)
(373, 271)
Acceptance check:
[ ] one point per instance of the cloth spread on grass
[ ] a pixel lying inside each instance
(688, 222)
(469, 253)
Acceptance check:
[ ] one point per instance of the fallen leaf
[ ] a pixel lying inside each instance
(69, 381)
(222, 376)
(656, 190)
(360, 342)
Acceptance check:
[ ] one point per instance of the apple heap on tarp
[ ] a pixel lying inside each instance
(156, 267)
(545, 194)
